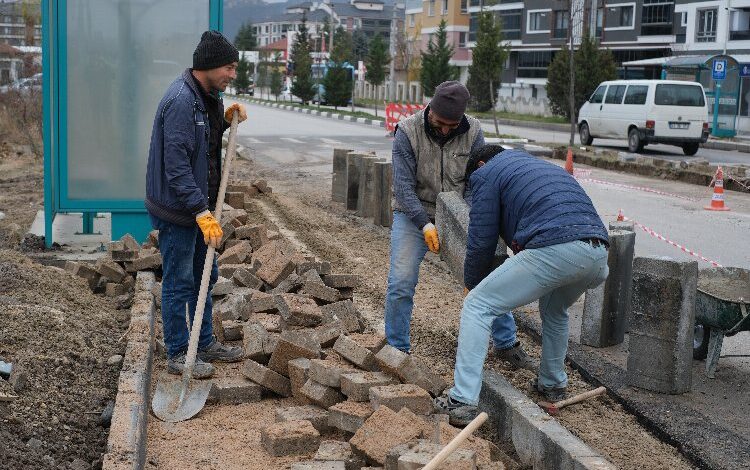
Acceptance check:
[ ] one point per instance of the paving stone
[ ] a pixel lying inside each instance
(320, 394)
(290, 438)
(334, 450)
(310, 275)
(320, 292)
(272, 323)
(355, 353)
(348, 415)
(130, 243)
(227, 270)
(400, 396)
(344, 311)
(254, 337)
(262, 186)
(113, 289)
(223, 286)
(84, 271)
(416, 454)
(342, 281)
(146, 261)
(292, 283)
(257, 235)
(299, 373)
(231, 242)
(319, 465)
(298, 310)
(234, 391)
(276, 269)
(118, 252)
(236, 254)
(229, 308)
(266, 377)
(382, 431)
(111, 270)
(317, 416)
(485, 450)
(232, 330)
(244, 277)
(328, 372)
(370, 341)
(293, 345)
(345, 294)
(263, 302)
(227, 229)
(357, 386)
(328, 333)
(409, 369)
(235, 199)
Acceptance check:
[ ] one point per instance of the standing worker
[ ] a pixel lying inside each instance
(182, 185)
(430, 153)
(560, 247)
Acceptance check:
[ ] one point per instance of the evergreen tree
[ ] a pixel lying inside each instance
(338, 82)
(303, 84)
(377, 61)
(592, 66)
(245, 39)
(488, 59)
(263, 77)
(242, 81)
(276, 82)
(359, 47)
(436, 67)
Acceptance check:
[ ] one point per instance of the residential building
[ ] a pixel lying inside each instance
(20, 24)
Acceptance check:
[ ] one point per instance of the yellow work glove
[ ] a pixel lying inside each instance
(431, 237)
(210, 227)
(239, 108)
(466, 291)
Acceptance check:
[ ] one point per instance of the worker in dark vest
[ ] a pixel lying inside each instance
(560, 246)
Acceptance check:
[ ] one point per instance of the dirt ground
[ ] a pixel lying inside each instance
(301, 208)
(57, 334)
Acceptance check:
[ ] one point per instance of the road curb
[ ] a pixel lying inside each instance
(707, 445)
(126, 445)
(540, 440)
(326, 114)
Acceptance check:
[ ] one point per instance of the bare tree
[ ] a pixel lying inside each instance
(576, 24)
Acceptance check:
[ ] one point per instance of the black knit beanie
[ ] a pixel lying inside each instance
(214, 51)
(450, 100)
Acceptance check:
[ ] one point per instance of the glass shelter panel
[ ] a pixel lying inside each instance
(114, 80)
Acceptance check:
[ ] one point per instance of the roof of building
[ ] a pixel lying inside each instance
(317, 16)
(350, 11)
(280, 45)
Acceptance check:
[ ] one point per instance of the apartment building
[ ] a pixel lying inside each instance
(20, 25)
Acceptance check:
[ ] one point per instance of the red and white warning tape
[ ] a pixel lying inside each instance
(638, 188)
(657, 235)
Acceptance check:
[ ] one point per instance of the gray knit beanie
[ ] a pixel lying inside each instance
(214, 51)
(450, 100)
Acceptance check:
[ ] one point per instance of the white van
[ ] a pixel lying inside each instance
(646, 112)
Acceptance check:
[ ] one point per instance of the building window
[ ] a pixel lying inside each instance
(536, 22)
(534, 64)
(462, 39)
(620, 16)
(561, 24)
(464, 6)
(599, 22)
(444, 10)
(683, 19)
(510, 20)
(626, 16)
(706, 31)
(8, 19)
(411, 20)
(431, 8)
(657, 17)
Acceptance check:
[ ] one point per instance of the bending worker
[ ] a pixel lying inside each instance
(182, 185)
(560, 246)
(430, 153)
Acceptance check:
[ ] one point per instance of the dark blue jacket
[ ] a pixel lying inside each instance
(177, 171)
(528, 202)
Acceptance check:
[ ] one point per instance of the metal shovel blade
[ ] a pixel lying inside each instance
(173, 402)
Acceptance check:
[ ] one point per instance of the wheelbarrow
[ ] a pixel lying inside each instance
(721, 309)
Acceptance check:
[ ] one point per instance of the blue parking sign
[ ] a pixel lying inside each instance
(744, 70)
(720, 69)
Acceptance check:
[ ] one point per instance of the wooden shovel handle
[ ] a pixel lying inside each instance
(580, 397)
(455, 442)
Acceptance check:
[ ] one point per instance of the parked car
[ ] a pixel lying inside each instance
(646, 112)
(24, 85)
(248, 90)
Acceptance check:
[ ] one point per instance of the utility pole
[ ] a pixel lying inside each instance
(392, 50)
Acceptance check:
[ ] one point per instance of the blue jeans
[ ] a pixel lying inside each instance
(183, 253)
(556, 275)
(407, 251)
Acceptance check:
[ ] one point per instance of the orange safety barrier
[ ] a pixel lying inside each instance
(395, 112)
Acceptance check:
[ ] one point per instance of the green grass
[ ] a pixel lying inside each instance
(342, 110)
(502, 136)
(521, 117)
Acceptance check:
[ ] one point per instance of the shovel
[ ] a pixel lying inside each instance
(176, 400)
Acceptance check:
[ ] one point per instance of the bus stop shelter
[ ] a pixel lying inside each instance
(106, 65)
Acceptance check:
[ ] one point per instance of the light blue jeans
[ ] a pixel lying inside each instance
(556, 275)
(407, 251)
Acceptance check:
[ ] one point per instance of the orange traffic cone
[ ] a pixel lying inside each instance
(569, 161)
(717, 200)
(620, 217)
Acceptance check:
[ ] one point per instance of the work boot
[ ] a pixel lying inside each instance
(201, 370)
(517, 357)
(217, 352)
(459, 414)
(550, 394)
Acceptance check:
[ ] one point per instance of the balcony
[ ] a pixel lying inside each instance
(739, 35)
(560, 33)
